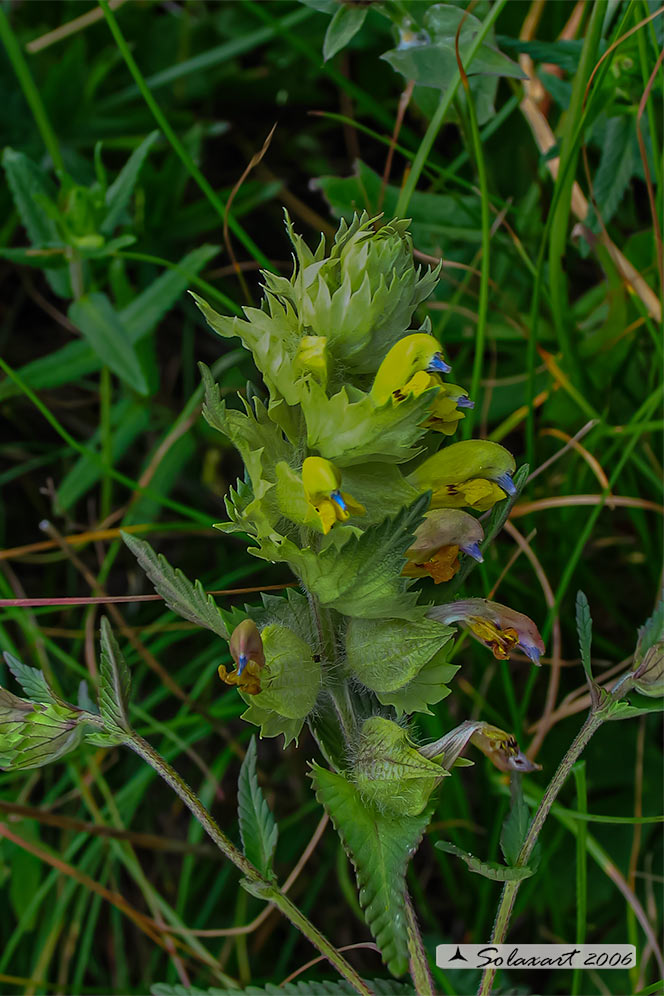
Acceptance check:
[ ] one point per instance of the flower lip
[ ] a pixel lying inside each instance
(464, 402)
(473, 550)
(337, 498)
(507, 484)
(242, 662)
(438, 365)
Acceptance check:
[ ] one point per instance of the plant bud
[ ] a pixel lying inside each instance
(291, 679)
(389, 771)
(246, 649)
(33, 733)
(649, 676)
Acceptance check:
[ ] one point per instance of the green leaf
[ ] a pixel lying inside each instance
(429, 686)
(584, 629)
(184, 598)
(271, 723)
(147, 309)
(434, 64)
(488, 869)
(28, 184)
(364, 577)
(651, 632)
(623, 710)
(342, 28)
(380, 848)
(97, 319)
(114, 684)
(258, 830)
(119, 192)
(515, 826)
(616, 165)
(31, 680)
(26, 874)
(386, 654)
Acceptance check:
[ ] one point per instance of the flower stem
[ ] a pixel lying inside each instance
(507, 900)
(262, 887)
(419, 965)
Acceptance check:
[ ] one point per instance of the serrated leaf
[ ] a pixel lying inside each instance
(258, 830)
(271, 723)
(184, 598)
(364, 577)
(429, 686)
(119, 192)
(386, 654)
(380, 848)
(31, 680)
(584, 629)
(381, 987)
(100, 324)
(515, 826)
(488, 869)
(651, 632)
(616, 165)
(345, 24)
(114, 684)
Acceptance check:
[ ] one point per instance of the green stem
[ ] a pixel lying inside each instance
(30, 91)
(177, 145)
(419, 964)
(467, 425)
(510, 890)
(579, 772)
(266, 889)
(439, 116)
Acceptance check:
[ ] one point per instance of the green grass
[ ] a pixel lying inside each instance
(534, 313)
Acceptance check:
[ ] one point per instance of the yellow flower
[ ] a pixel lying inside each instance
(498, 627)
(311, 358)
(438, 539)
(246, 648)
(406, 368)
(475, 473)
(322, 481)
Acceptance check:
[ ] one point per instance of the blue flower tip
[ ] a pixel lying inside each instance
(438, 365)
(242, 662)
(338, 500)
(473, 550)
(507, 484)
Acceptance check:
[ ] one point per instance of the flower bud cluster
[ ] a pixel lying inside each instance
(350, 480)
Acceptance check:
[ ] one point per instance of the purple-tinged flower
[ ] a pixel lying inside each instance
(499, 628)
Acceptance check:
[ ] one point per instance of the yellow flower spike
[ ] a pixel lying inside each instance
(322, 480)
(475, 473)
(311, 358)
(246, 649)
(416, 354)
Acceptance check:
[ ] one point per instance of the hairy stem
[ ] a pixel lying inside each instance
(507, 900)
(419, 965)
(266, 889)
